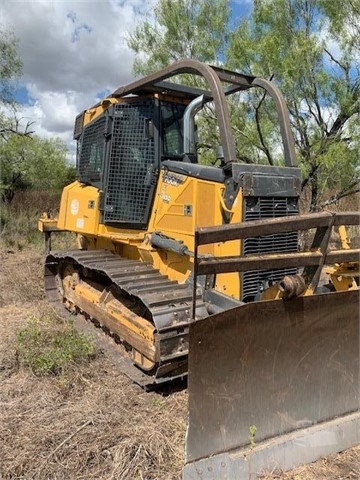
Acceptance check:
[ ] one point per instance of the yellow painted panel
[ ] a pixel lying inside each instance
(207, 204)
(79, 210)
(229, 283)
(179, 207)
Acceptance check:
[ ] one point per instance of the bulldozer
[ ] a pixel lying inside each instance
(194, 270)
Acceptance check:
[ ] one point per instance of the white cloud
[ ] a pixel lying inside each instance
(71, 51)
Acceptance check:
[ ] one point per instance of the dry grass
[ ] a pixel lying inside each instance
(93, 423)
(18, 220)
(21, 276)
(344, 466)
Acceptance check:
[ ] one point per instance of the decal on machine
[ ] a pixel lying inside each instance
(74, 206)
(79, 223)
(165, 197)
(174, 179)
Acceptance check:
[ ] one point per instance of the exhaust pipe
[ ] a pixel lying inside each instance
(189, 124)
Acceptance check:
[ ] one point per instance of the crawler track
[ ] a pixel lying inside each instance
(140, 308)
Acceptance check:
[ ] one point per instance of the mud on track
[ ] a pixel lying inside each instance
(93, 423)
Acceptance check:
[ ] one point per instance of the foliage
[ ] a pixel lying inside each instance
(252, 433)
(185, 29)
(18, 221)
(50, 348)
(29, 162)
(303, 46)
(344, 22)
(182, 29)
(10, 64)
(310, 49)
(26, 161)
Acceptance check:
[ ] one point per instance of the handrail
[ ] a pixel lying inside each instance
(313, 259)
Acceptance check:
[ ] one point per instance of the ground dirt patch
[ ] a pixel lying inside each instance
(93, 423)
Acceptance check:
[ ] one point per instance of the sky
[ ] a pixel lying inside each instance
(74, 52)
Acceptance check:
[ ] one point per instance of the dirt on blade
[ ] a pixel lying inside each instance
(92, 422)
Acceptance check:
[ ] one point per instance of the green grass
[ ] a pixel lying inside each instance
(51, 347)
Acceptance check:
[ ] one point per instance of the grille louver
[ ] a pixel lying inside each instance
(256, 208)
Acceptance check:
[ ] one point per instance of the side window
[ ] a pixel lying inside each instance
(90, 165)
(172, 129)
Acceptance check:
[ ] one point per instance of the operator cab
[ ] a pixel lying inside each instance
(122, 147)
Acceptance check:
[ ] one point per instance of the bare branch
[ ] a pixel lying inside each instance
(264, 147)
(350, 190)
(255, 145)
(343, 67)
(309, 178)
(301, 126)
(26, 133)
(321, 123)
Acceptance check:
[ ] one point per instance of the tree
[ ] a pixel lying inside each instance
(26, 161)
(32, 163)
(182, 29)
(310, 48)
(303, 46)
(10, 70)
(10, 176)
(10, 64)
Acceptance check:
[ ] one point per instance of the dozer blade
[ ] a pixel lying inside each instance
(277, 365)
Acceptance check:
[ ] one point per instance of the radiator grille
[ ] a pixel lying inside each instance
(256, 208)
(131, 162)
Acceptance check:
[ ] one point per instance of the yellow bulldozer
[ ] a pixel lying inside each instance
(195, 270)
